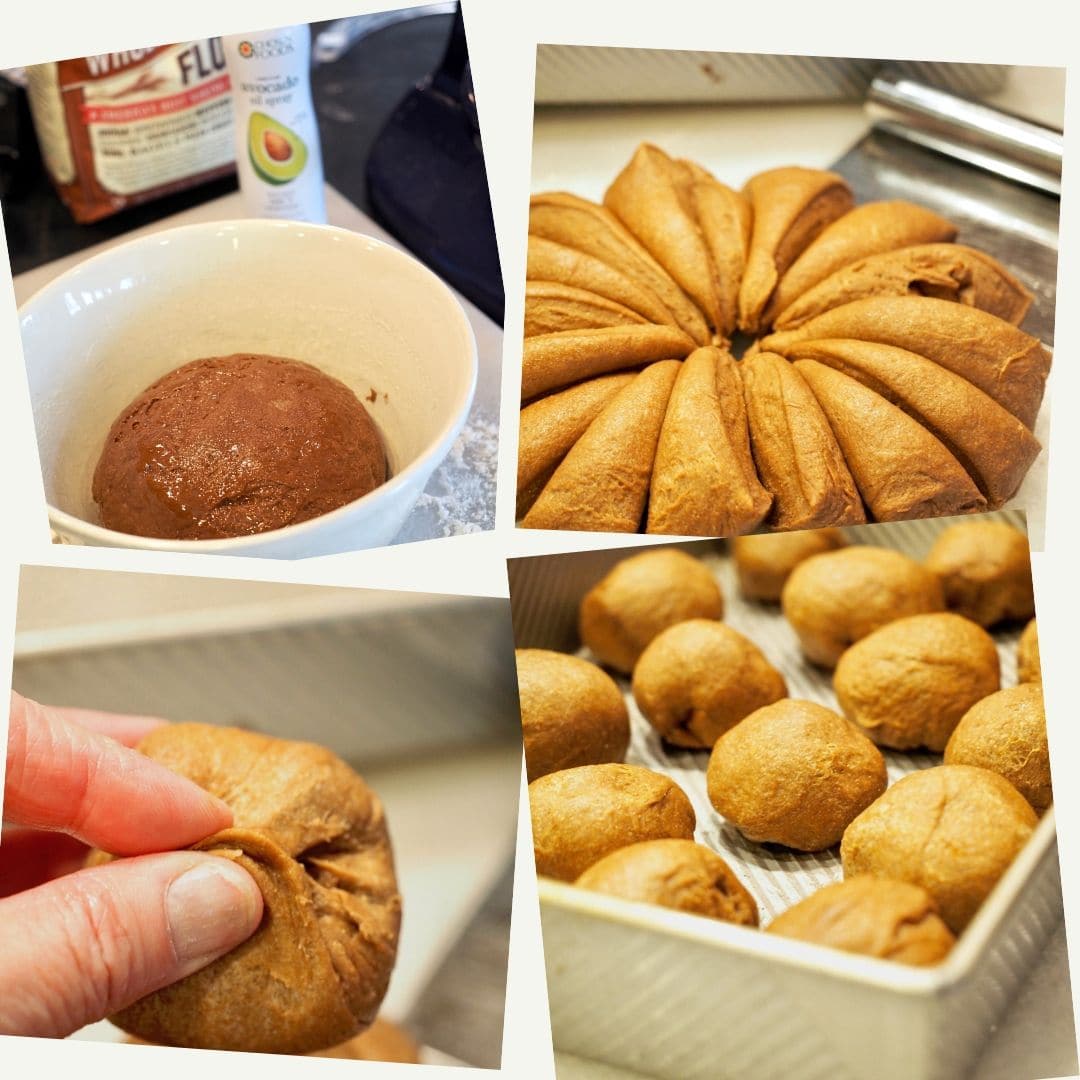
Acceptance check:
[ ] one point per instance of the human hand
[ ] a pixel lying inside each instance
(79, 944)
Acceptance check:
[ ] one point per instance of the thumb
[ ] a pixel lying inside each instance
(81, 947)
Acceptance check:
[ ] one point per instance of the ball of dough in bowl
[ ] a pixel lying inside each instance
(1028, 664)
(765, 561)
(837, 598)
(572, 713)
(794, 773)
(1006, 733)
(580, 815)
(312, 835)
(677, 874)
(641, 596)
(892, 920)
(697, 679)
(985, 571)
(907, 684)
(953, 829)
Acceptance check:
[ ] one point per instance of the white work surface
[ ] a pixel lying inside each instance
(460, 497)
(581, 150)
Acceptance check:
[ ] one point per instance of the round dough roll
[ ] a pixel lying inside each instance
(1006, 733)
(572, 713)
(835, 599)
(312, 835)
(953, 829)
(908, 683)
(892, 920)
(1028, 664)
(677, 874)
(794, 773)
(580, 815)
(985, 571)
(697, 679)
(765, 561)
(641, 596)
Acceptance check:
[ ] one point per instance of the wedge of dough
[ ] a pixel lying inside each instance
(791, 206)
(867, 230)
(945, 271)
(550, 426)
(603, 482)
(990, 443)
(902, 470)
(651, 198)
(797, 456)
(704, 482)
(726, 220)
(999, 359)
(592, 228)
(553, 360)
(551, 308)
(548, 261)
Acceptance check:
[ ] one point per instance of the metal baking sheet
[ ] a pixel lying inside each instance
(1014, 223)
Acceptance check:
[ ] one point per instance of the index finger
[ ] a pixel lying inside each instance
(66, 778)
(128, 730)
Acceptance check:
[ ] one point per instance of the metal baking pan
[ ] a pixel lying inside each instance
(335, 665)
(590, 74)
(673, 995)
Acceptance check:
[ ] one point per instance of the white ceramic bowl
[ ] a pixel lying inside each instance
(364, 312)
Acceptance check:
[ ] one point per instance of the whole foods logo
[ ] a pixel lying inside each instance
(267, 49)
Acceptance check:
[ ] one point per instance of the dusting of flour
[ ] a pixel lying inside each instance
(460, 497)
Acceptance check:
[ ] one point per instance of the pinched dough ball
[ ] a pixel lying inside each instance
(641, 596)
(1028, 664)
(765, 561)
(697, 679)
(837, 598)
(907, 684)
(1006, 733)
(953, 829)
(794, 773)
(580, 815)
(313, 836)
(572, 713)
(985, 571)
(677, 874)
(892, 920)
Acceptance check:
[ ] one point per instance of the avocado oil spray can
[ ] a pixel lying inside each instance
(278, 158)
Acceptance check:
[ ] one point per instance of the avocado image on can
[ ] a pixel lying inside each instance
(277, 154)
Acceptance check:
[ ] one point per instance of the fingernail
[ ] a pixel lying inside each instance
(211, 908)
